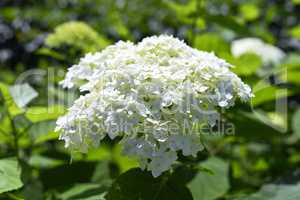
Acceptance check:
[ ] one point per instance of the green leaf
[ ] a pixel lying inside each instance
(40, 161)
(211, 42)
(43, 131)
(249, 126)
(125, 163)
(84, 191)
(269, 94)
(263, 33)
(296, 123)
(101, 153)
(38, 114)
(228, 22)
(78, 35)
(292, 61)
(295, 32)
(183, 10)
(245, 65)
(138, 185)
(10, 175)
(292, 76)
(275, 192)
(207, 186)
(12, 107)
(187, 12)
(296, 2)
(264, 93)
(249, 11)
(5, 130)
(102, 173)
(22, 94)
(7, 76)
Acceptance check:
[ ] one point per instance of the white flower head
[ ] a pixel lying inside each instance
(150, 94)
(268, 53)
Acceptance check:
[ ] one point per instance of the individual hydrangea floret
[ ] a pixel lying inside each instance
(268, 53)
(151, 95)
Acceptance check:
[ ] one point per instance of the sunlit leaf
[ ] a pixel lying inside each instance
(211, 42)
(12, 107)
(183, 10)
(264, 93)
(295, 32)
(125, 163)
(77, 34)
(40, 161)
(10, 175)
(292, 76)
(38, 114)
(5, 130)
(245, 65)
(102, 153)
(292, 61)
(249, 11)
(296, 2)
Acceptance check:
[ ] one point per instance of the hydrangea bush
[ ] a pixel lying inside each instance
(150, 95)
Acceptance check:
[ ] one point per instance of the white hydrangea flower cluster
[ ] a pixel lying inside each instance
(268, 53)
(149, 94)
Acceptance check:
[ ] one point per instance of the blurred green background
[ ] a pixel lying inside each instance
(261, 161)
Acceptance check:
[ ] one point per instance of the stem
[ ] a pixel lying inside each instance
(14, 133)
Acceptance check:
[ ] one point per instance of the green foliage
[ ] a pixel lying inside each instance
(275, 192)
(124, 162)
(245, 65)
(40, 161)
(42, 131)
(292, 61)
(265, 93)
(78, 35)
(295, 32)
(84, 191)
(34, 163)
(249, 11)
(138, 185)
(209, 186)
(10, 104)
(38, 113)
(296, 2)
(10, 175)
(211, 42)
(296, 123)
